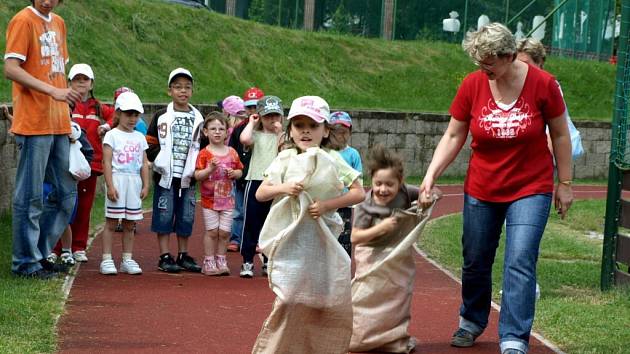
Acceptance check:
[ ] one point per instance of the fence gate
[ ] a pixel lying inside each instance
(616, 250)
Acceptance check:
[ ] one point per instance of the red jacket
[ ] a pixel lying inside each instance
(84, 114)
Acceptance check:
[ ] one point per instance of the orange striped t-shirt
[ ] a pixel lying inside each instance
(40, 43)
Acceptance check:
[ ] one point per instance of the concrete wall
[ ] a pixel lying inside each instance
(413, 135)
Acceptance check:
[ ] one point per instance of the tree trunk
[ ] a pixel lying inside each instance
(230, 7)
(387, 25)
(309, 15)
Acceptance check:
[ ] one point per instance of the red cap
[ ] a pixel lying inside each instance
(121, 90)
(252, 95)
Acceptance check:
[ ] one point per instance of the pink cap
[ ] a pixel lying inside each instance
(313, 107)
(233, 105)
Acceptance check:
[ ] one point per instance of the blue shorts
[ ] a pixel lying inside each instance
(173, 209)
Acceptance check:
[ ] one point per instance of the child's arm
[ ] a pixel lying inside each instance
(355, 195)
(152, 137)
(365, 235)
(112, 193)
(202, 174)
(247, 136)
(144, 174)
(268, 191)
(234, 174)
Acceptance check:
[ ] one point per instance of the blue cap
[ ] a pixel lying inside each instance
(342, 118)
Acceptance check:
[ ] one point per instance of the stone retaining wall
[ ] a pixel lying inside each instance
(413, 135)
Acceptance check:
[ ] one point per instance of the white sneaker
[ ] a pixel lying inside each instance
(67, 259)
(52, 258)
(247, 270)
(108, 267)
(80, 256)
(130, 266)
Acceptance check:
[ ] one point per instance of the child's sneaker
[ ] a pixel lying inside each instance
(264, 270)
(80, 256)
(210, 266)
(247, 270)
(108, 267)
(222, 265)
(67, 259)
(130, 266)
(52, 258)
(186, 262)
(167, 264)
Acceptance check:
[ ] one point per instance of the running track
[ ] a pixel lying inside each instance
(190, 313)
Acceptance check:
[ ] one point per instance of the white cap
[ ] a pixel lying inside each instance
(84, 69)
(179, 72)
(129, 101)
(311, 106)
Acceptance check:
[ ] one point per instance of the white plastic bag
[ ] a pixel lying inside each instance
(79, 167)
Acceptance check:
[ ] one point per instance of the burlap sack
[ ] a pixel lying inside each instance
(383, 286)
(309, 271)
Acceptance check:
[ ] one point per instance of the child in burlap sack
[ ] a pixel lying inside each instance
(309, 271)
(384, 232)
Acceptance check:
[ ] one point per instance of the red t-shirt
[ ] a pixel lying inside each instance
(84, 114)
(216, 190)
(510, 158)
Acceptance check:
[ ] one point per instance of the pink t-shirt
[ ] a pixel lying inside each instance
(510, 158)
(216, 190)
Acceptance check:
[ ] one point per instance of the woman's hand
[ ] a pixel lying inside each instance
(563, 199)
(425, 197)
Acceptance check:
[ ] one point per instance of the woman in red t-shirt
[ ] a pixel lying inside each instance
(506, 106)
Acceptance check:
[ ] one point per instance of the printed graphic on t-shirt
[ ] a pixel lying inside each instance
(218, 186)
(182, 137)
(127, 150)
(505, 124)
(49, 50)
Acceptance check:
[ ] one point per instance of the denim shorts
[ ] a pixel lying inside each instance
(173, 209)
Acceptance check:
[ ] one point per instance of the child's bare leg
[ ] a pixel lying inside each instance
(107, 264)
(163, 243)
(108, 235)
(128, 236)
(224, 237)
(182, 244)
(210, 241)
(66, 238)
(128, 265)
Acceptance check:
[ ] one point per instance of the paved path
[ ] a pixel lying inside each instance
(190, 313)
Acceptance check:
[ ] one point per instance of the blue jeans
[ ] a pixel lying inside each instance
(173, 209)
(38, 222)
(525, 220)
(237, 215)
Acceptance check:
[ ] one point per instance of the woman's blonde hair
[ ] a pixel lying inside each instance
(534, 48)
(491, 40)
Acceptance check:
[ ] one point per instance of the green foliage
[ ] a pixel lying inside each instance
(136, 43)
(341, 20)
(256, 11)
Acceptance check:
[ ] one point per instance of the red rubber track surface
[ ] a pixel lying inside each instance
(192, 313)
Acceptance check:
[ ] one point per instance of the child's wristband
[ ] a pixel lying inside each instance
(567, 183)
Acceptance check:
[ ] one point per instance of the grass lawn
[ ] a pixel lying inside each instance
(29, 308)
(572, 312)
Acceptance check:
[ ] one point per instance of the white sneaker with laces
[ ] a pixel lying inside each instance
(130, 266)
(247, 270)
(67, 259)
(108, 267)
(52, 258)
(80, 256)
